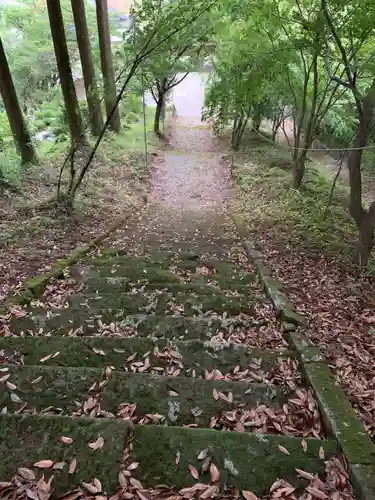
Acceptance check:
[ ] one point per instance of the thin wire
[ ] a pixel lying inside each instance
(311, 149)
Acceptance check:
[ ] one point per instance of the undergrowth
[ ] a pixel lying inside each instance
(303, 217)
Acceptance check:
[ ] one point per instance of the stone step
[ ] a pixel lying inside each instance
(247, 461)
(159, 356)
(110, 305)
(165, 271)
(174, 400)
(27, 439)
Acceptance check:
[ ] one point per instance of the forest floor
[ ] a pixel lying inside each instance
(307, 244)
(34, 234)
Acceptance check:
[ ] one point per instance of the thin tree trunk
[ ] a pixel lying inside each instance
(65, 72)
(107, 64)
(365, 242)
(159, 107)
(17, 123)
(300, 158)
(84, 46)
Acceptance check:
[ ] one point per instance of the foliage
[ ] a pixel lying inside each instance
(300, 216)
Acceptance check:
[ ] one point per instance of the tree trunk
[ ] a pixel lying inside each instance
(84, 46)
(17, 123)
(107, 64)
(365, 242)
(300, 157)
(159, 107)
(65, 72)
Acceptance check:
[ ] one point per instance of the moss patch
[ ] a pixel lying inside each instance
(339, 415)
(193, 397)
(27, 439)
(247, 461)
(79, 351)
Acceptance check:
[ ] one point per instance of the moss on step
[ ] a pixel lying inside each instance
(25, 440)
(247, 461)
(191, 400)
(338, 414)
(134, 273)
(88, 351)
(363, 480)
(42, 387)
(158, 302)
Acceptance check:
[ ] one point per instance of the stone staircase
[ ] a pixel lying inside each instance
(152, 371)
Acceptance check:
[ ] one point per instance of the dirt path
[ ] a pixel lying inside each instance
(189, 181)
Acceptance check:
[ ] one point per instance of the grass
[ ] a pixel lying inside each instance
(302, 216)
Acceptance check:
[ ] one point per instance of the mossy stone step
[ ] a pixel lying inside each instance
(159, 302)
(26, 439)
(179, 400)
(143, 325)
(99, 352)
(247, 461)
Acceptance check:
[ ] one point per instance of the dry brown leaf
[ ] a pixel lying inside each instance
(26, 473)
(178, 457)
(214, 472)
(132, 466)
(90, 488)
(316, 492)
(203, 454)
(143, 495)
(72, 495)
(215, 394)
(73, 466)
(15, 398)
(36, 380)
(249, 495)
(305, 474)
(43, 464)
(321, 453)
(98, 351)
(283, 450)
(193, 472)
(46, 358)
(172, 393)
(304, 445)
(59, 465)
(66, 440)
(5, 377)
(11, 386)
(98, 444)
(97, 484)
(209, 493)
(32, 495)
(137, 484)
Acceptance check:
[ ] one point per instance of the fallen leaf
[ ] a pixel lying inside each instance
(26, 473)
(11, 386)
(132, 466)
(284, 450)
(90, 488)
(98, 444)
(43, 464)
(305, 474)
(304, 445)
(4, 378)
(321, 453)
(193, 472)
(66, 440)
(214, 472)
(72, 466)
(215, 394)
(98, 351)
(36, 380)
(203, 454)
(137, 484)
(46, 358)
(59, 465)
(15, 398)
(249, 495)
(32, 495)
(316, 492)
(178, 456)
(209, 493)
(173, 393)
